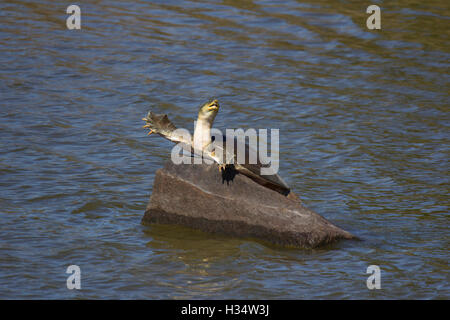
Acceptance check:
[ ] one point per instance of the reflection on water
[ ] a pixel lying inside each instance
(363, 118)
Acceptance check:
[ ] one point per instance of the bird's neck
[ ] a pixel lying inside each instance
(202, 134)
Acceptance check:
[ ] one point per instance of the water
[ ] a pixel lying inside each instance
(364, 135)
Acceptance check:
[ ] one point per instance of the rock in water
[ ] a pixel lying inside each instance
(201, 197)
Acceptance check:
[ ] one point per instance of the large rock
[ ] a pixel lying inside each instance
(201, 197)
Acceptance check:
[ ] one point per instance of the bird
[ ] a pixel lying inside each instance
(202, 143)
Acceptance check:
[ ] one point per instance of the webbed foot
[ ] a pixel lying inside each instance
(160, 124)
(150, 123)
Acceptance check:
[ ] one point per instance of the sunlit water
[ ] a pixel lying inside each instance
(364, 134)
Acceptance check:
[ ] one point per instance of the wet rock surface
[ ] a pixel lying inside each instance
(201, 197)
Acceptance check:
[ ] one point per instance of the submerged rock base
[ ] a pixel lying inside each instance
(201, 197)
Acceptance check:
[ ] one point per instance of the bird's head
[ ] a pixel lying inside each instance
(208, 111)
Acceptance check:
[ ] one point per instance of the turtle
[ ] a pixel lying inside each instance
(202, 144)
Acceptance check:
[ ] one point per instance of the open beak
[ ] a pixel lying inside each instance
(213, 107)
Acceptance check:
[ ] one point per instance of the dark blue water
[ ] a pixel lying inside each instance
(364, 138)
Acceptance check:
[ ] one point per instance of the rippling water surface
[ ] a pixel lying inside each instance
(364, 134)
